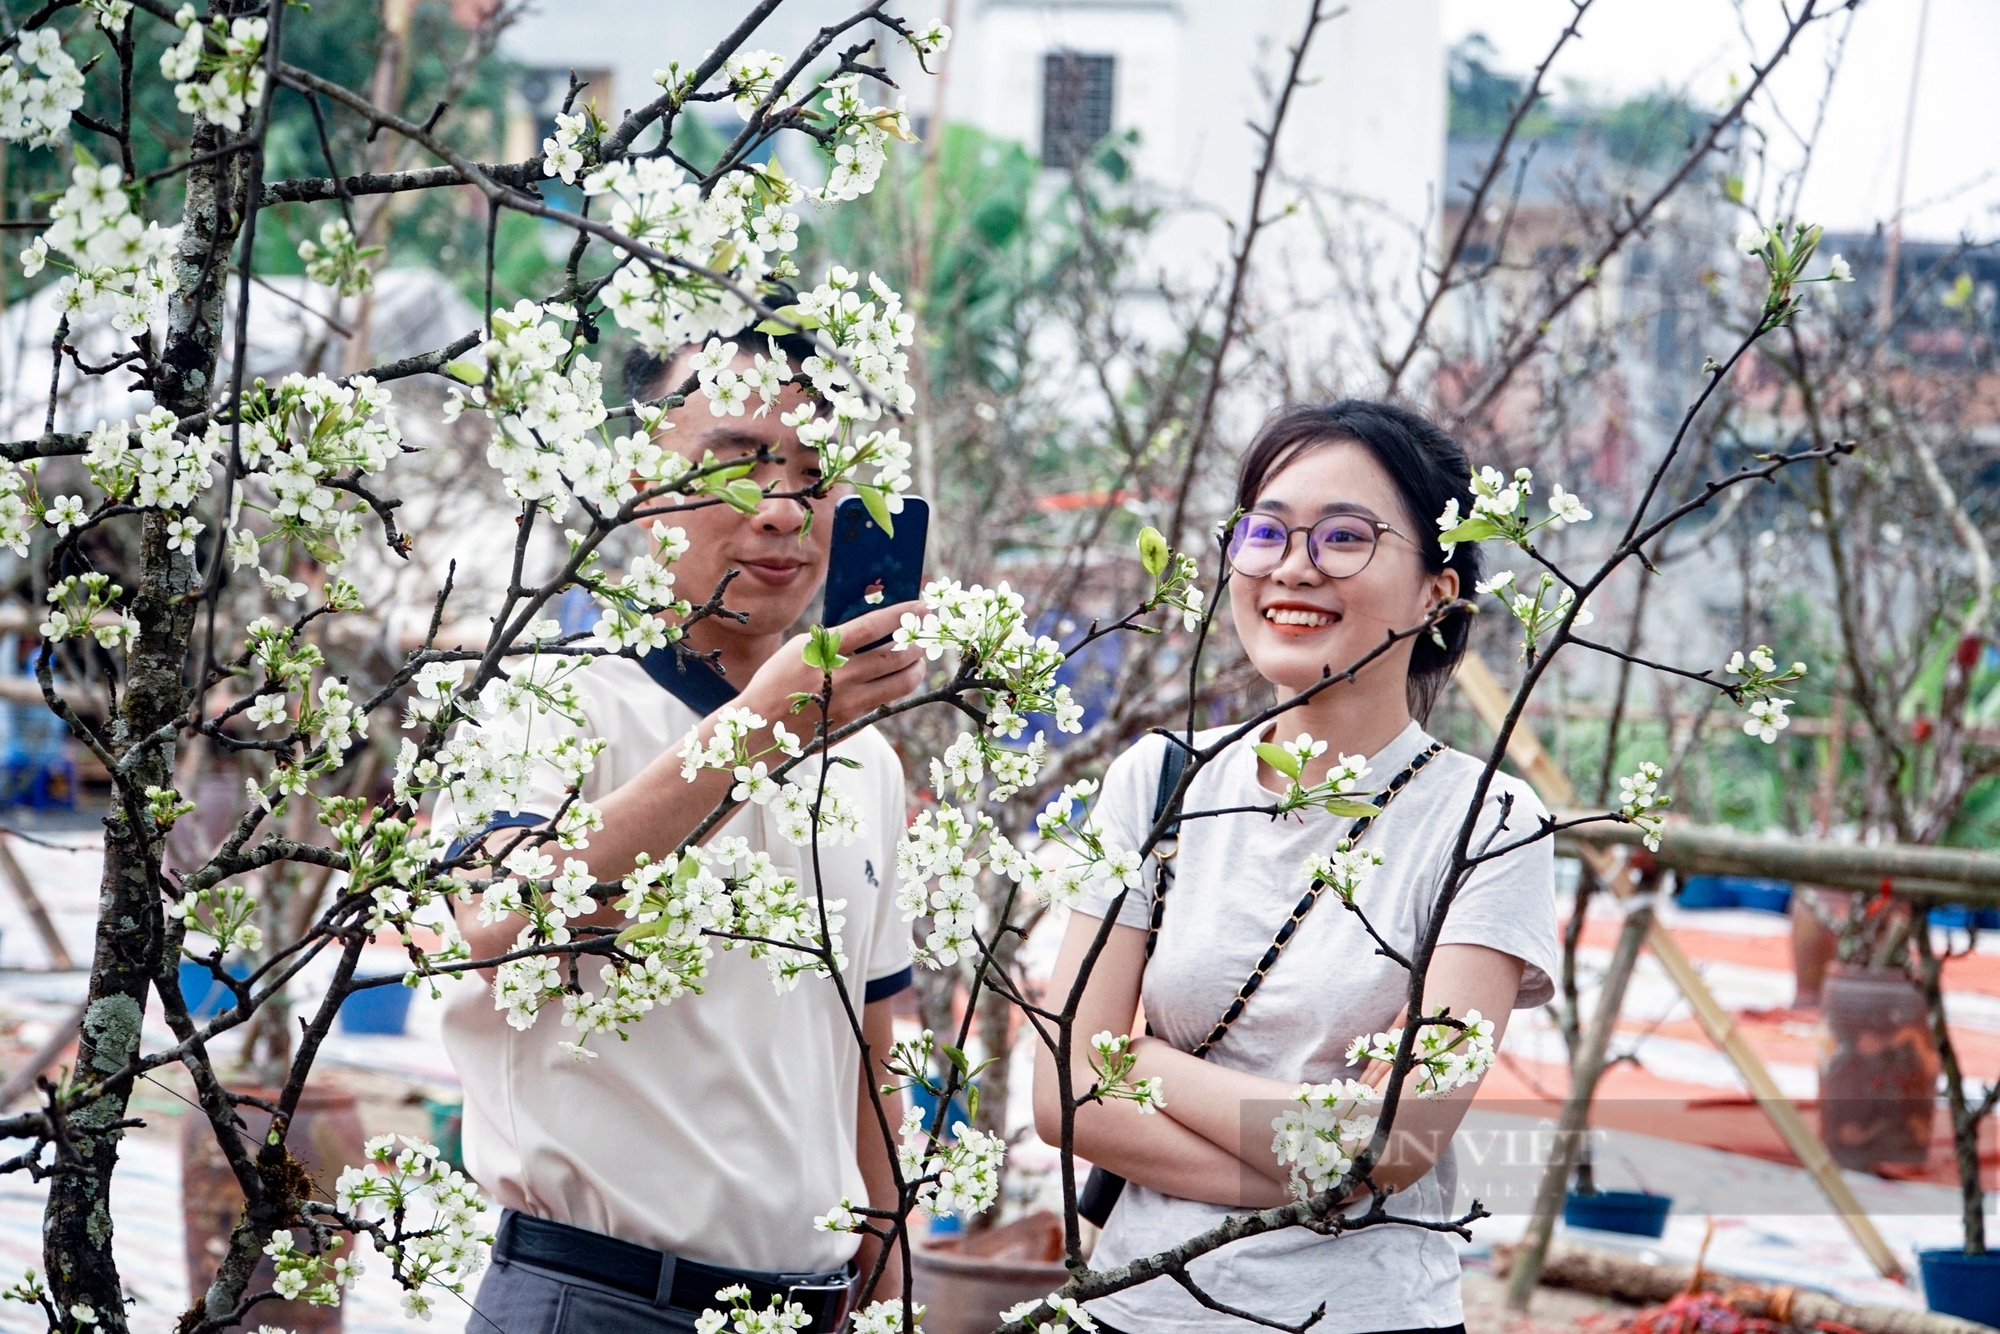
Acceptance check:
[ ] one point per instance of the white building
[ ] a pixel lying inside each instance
(1365, 132)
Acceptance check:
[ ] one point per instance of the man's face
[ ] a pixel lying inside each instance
(780, 555)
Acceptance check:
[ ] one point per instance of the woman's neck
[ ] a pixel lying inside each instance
(1357, 717)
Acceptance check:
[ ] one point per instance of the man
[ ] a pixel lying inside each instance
(694, 1156)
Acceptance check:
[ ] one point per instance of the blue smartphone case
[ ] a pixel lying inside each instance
(869, 568)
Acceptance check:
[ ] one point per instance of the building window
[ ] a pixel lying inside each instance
(1076, 105)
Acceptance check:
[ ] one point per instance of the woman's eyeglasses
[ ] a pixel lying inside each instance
(1339, 546)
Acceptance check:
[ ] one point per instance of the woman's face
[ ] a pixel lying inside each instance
(1297, 623)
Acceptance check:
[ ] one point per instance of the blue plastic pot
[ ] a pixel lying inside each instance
(926, 1102)
(1704, 891)
(1967, 1286)
(377, 1010)
(1763, 895)
(1734, 891)
(1627, 1211)
(1958, 919)
(448, 1129)
(205, 996)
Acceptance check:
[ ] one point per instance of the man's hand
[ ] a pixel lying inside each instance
(862, 684)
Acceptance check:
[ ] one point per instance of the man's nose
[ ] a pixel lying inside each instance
(781, 515)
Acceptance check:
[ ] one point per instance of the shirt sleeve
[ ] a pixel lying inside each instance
(889, 950)
(1122, 818)
(1509, 903)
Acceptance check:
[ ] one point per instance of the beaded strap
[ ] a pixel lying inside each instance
(1307, 902)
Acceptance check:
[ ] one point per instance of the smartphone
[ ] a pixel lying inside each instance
(869, 567)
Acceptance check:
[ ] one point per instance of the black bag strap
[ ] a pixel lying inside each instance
(1172, 765)
(1163, 879)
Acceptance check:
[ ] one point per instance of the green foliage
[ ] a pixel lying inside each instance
(337, 42)
(1644, 131)
(822, 650)
(1483, 98)
(984, 266)
(1652, 129)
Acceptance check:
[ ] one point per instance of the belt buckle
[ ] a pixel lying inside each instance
(841, 1292)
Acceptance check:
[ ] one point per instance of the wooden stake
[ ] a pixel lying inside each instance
(60, 1039)
(1489, 700)
(1575, 1123)
(17, 880)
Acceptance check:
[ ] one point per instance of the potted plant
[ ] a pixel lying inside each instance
(1963, 1282)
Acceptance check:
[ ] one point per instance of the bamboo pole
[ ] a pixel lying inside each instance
(1490, 702)
(1575, 1122)
(1960, 875)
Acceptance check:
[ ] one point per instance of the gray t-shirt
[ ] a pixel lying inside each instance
(1237, 879)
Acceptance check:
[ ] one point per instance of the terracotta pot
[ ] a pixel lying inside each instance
(1878, 1068)
(964, 1286)
(325, 1136)
(1813, 947)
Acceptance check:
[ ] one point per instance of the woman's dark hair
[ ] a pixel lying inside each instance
(1429, 470)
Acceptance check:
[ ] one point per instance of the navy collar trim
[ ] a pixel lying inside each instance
(689, 680)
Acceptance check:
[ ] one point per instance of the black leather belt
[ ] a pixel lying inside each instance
(662, 1277)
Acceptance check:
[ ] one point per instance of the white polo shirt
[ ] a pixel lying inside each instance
(727, 1120)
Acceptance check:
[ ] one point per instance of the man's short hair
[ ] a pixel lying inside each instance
(643, 370)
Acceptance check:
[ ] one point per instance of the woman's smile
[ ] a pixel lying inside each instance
(1298, 619)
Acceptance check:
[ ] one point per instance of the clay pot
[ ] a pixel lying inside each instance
(1878, 1068)
(964, 1286)
(325, 1136)
(1814, 945)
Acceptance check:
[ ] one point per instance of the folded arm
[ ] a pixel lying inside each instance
(1151, 1149)
(1232, 1110)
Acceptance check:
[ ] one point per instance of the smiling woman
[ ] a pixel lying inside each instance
(1333, 554)
(1364, 478)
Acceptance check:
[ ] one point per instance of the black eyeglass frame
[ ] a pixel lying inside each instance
(1377, 527)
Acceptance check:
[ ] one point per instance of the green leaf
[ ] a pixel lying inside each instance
(972, 1101)
(742, 495)
(1349, 807)
(878, 507)
(1153, 551)
(643, 930)
(844, 762)
(955, 1056)
(1732, 189)
(1471, 530)
(1279, 758)
(822, 650)
(465, 372)
(790, 319)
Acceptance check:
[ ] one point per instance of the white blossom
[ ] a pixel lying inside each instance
(36, 107)
(114, 259)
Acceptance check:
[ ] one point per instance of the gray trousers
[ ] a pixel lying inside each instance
(518, 1298)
